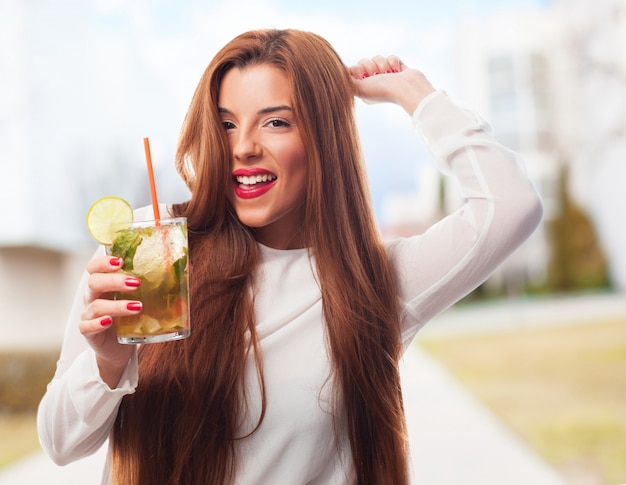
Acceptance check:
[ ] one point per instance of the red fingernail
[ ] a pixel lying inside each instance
(106, 321)
(376, 73)
(132, 282)
(364, 75)
(115, 261)
(134, 306)
(395, 69)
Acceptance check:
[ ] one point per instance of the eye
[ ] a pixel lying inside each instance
(278, 123)
(228, 125)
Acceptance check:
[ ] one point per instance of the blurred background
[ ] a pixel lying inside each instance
(82, 82)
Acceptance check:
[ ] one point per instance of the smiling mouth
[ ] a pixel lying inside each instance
(253, 180)
(252, 185)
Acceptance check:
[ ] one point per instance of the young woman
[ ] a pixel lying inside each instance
(300, 313)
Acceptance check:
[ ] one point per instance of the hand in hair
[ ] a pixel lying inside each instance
(388, 80)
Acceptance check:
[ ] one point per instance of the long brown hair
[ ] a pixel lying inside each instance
(182, 424)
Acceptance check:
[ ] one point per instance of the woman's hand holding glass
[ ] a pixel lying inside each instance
(97, 318)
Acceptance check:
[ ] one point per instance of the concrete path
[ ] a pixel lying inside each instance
(502, 315)
(455, 440)
(37, 468)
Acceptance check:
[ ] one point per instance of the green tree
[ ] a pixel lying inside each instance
(577, 260)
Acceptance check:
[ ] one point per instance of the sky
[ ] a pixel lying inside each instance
(94, 77)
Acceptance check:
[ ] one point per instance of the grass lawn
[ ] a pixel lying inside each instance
(18, 437)
(23, 379)
(563, 389)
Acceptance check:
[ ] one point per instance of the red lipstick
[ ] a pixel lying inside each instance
(252, 182)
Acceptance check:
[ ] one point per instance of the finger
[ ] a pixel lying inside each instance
(101, 284)
(101, 308)
(357, 71)
(368, 67)
(396, 64)
(104, 264)
(382, 65)
(95, 326)
(388, 65)
(100, 264)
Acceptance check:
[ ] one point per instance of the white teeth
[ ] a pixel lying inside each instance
(255, 179)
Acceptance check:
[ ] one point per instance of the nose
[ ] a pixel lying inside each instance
(245, 145)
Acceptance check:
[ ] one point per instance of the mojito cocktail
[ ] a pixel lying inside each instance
(156, 252)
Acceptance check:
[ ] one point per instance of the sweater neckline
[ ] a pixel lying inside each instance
(268, 251)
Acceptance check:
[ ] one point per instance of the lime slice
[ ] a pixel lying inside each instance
(103, 213)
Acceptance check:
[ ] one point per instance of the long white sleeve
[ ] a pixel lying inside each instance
(502, 209)
(78, 410)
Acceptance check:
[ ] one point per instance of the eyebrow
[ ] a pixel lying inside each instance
(270, 109)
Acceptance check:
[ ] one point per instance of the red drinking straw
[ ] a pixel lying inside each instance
(155, 202)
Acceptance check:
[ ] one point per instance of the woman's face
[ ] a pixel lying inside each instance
(269, 164)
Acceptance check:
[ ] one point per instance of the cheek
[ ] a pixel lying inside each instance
(292, 158)
(299, 171)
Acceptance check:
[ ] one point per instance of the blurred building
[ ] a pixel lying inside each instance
(503, 69)
(78, 93)
(36, 288)
(75, 98)
(593, 67)
(552, 83)
(34, 266)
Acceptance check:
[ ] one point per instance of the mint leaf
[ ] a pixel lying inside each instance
(125, 245)
(179, 267)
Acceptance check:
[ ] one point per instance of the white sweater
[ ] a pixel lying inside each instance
(296, 443)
